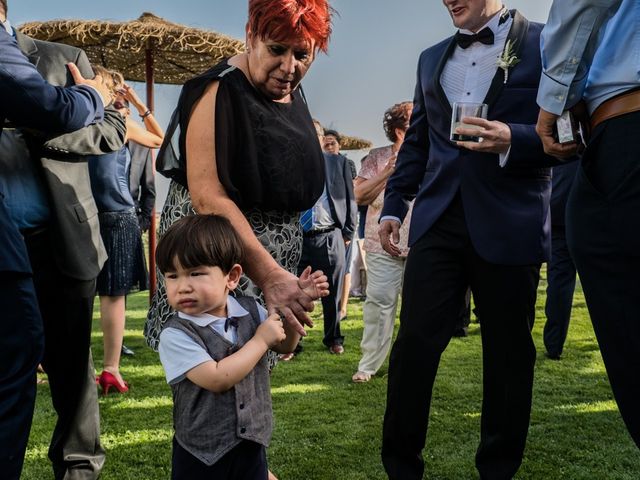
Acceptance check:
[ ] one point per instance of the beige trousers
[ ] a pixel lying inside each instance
(384, 284)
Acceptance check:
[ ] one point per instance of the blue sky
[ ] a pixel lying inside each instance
(372, 56)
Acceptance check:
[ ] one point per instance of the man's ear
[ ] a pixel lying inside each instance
(233, 277)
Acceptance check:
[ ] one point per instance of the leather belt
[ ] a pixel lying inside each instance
(320, 231)
(614, 107)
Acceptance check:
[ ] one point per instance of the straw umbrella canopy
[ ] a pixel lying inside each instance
(179, 52)
(149, 49)
(354, 143)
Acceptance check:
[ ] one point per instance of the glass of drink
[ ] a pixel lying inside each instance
(466, 109)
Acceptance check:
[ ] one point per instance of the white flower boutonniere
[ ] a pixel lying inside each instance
(508, 59)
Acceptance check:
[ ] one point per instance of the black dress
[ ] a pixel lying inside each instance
(268, 159)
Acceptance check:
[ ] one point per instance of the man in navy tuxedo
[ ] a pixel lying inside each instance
(27, 100)
(480, 219)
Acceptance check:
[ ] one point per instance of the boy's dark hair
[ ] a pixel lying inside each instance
(333, 133)
(3, 7)
(197, 240)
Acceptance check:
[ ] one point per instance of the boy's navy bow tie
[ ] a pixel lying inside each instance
(483, 36)
(230, 321)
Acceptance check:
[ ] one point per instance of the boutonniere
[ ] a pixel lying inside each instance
(508, 59)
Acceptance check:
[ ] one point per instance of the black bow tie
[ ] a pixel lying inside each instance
(230, 321)
(483, 36)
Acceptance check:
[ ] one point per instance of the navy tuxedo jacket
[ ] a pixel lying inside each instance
(506, 209)
(29, 101)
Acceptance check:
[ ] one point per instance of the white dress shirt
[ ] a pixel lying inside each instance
(179, 353)
(468, 73)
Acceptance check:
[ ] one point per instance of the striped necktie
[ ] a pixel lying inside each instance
(306, 220)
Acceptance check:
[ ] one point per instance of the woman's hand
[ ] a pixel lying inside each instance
(284, 294)
(132, 97)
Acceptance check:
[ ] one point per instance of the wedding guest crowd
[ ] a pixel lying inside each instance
(257, 219)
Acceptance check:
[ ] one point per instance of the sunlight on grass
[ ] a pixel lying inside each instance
(143, 403)
(471, 415)
(137, 437)
(37, 452)
(299, 388)
(594, 366)
(593, 407)
(144, 370)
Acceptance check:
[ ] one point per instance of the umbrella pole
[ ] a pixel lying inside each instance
(152, 227)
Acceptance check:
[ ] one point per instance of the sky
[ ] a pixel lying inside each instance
(372, 56)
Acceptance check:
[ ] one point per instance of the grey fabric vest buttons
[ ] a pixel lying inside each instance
(211, 424)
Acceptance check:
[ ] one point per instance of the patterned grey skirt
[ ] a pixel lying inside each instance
(278, 232)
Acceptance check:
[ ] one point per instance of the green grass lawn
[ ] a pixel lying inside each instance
(328, 428)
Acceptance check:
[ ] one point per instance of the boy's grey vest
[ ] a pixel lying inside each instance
(207, 424)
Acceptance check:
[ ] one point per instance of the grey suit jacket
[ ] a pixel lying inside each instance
(340, 189)
(77, 245)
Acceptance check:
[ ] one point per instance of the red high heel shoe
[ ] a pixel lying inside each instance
(108, 380)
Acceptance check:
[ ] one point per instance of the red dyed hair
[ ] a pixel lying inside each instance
(291, 20)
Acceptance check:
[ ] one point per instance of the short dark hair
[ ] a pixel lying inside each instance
(396, 116)
(3, 6)
(197, 240)
(333, 133)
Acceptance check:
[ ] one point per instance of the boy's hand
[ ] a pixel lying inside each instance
(271, 331)
(315, 284)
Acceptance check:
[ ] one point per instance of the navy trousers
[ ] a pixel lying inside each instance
(561, 282)
(21, 347)
(326, 252)
(245, 461)
(603, 233)
(440, 267)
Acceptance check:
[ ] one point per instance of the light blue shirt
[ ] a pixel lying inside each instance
(7, 26)
(322, 212)
(591, 50)
(179, 353)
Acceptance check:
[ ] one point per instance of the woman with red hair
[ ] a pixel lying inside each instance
(242, 144)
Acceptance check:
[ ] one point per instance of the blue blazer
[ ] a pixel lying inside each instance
(339, 183)
(29, 101)
(506, 209)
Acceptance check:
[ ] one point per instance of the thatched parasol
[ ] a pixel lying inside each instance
(179, 52)
(354, 143)
(149, 49)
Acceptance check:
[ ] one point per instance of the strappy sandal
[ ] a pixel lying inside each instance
(360, 377)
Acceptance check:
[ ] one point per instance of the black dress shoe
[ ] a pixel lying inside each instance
(127, 351)
(552, 356)
(461, 332)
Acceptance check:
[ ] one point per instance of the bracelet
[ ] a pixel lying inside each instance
(146, 114)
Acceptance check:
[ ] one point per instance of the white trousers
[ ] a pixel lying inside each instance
(384, 284)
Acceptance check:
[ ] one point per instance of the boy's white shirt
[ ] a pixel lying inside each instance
(179, 353)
